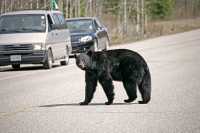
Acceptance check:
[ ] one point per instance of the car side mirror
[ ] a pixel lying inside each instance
(99, 28)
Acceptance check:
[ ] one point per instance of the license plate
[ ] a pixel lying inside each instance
(15, 58)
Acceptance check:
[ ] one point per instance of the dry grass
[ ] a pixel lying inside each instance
(171, 27)
(159, 28)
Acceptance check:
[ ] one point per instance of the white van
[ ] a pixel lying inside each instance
(34, 37)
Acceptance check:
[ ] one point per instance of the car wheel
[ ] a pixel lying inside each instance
(94, 47)
(66, 61)
(49, 60)
(16, 66)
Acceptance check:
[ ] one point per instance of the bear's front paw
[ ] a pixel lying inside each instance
(109, 103)
(83, 103)
(129, 100)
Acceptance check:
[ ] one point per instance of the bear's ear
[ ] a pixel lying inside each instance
(89, 53)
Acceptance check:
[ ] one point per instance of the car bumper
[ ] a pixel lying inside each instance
(31, 57)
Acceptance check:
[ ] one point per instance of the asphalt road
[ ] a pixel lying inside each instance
(34, 100)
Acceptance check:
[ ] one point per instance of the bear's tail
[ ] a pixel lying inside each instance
(145, 87)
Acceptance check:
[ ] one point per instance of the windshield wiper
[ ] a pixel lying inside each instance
(11, 31)
(19, 30)
(30, 29)
(3, 29)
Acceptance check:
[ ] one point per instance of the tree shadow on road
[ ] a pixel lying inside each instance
(77, 104)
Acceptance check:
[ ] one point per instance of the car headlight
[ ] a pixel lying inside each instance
(86, 39)
(37, 46)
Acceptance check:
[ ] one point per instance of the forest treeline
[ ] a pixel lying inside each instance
(123, 18)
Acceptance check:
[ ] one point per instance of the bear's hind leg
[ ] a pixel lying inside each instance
(145, 88)
(131, 90)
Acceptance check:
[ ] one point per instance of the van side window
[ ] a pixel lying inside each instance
(56, 20)
(61, 18)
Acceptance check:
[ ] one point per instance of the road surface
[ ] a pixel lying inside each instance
(34, 100)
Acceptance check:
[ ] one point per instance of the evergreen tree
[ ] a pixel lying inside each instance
(160, 9)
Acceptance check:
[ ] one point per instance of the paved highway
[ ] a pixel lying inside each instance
(34, 100)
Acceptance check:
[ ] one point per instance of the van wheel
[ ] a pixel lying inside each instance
(49, 60)
(66, 61)
(16, 66)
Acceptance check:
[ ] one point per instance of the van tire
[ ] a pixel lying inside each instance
(49, 60)
(66, 61)
(16, 66)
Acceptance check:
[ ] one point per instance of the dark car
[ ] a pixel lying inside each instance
(87, 33)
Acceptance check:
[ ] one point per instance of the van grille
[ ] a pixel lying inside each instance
(16, 47)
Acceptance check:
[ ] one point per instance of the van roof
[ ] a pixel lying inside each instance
(31, 12)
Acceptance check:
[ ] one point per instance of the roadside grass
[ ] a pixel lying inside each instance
(158, 28)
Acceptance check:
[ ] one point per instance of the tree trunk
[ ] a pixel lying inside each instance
(125, 18)
(138, 17)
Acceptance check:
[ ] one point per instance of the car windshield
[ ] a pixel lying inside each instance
(80, 25)
(22, 23)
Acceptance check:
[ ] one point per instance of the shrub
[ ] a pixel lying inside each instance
(160, 9)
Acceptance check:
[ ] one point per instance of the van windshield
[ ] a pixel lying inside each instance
(22, 23)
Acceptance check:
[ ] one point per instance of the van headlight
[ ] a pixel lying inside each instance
(86, 39)
(38, 46)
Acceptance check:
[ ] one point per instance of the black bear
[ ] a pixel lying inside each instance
(118, 65)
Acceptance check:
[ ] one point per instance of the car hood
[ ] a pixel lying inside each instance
(22, 38)
(80, 33)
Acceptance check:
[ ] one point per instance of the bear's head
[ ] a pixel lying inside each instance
(84, 60)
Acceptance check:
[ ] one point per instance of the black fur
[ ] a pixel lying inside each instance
(119, 65)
